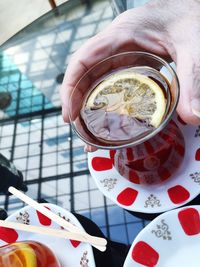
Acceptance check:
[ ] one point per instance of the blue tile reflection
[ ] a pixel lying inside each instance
(81, 166)
(131, 218)
(98, 217)
(21, 89)
(118, 233)
(77, 151)
(115, 215)
(58, 139)
(133, 230)
(123, 226)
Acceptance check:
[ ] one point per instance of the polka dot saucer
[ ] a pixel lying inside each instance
(170, 240)
(177, 191)
(68, 252)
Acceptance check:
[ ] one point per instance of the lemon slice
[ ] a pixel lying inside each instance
(26, 255)
(132, 94)
(11, 259)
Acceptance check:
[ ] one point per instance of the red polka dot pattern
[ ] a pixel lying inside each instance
(144, 254)
(43, 219)
(190, 221)
(127, 196)
(178, 194)
(102, 164)
(8, 235)
(75, 243)
(197, 155)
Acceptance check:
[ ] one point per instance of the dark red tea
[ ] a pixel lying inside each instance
(126, 106)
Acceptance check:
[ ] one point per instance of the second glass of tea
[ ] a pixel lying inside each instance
(125, 104)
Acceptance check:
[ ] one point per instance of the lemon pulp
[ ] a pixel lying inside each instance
(131, 94)
(26, 254)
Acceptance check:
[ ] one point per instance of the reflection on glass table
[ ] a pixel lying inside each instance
(32, 133)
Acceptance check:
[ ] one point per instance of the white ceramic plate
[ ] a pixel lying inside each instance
(174, 192)
(68, 253)
(170, 240)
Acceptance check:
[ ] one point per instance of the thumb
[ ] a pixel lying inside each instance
(188, 71)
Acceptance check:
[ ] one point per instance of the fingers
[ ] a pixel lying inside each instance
(188, 71)
(114, 39)
(88, 148)
(96, 49)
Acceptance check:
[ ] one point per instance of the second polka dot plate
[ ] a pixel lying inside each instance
(170, 240)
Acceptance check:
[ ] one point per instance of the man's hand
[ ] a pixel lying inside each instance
(170, 29)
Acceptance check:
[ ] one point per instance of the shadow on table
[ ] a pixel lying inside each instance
(115, 254)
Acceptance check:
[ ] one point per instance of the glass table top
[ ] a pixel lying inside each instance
(32, 133)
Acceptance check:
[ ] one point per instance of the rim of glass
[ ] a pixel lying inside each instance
(157, 130)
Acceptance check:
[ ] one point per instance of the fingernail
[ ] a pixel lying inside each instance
(85, 149)
(196, 107)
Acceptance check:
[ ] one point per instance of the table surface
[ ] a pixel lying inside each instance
(33, 134)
